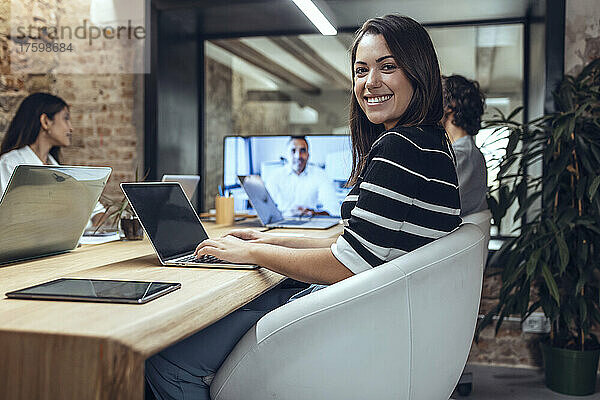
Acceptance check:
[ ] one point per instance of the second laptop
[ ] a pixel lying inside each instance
(171, 224)
(269, 214)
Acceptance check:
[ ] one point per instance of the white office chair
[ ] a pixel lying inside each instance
(483, 220)
(402, 330)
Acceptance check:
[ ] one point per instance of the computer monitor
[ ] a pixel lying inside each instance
(264, 155)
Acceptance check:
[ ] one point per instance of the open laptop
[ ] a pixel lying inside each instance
(269, 214)
(45, 209)
(189, 183)
(171, 224)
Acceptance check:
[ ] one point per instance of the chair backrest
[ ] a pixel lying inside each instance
(402, 330)
(483, 220)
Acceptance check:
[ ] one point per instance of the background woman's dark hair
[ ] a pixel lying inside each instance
(413, 51)
(25, 125)
(463, 97)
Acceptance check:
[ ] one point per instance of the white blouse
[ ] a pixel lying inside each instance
(10, 160)
(25, 155)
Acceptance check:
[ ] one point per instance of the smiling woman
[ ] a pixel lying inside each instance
(380, 86)
(404, 195)
(391, 56)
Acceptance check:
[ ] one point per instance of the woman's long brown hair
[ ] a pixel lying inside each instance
(413, 51)
(26, 125)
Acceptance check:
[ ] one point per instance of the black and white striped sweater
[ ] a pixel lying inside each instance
(406, 197)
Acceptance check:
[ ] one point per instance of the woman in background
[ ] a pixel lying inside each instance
(40, 127)
(404, 195)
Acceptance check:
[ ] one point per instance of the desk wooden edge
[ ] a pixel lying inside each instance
(59, 366)
(196, 317)
(43, 366)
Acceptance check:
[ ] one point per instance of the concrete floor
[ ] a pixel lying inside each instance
(499, 383)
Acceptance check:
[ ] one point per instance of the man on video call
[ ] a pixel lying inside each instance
(298, 188)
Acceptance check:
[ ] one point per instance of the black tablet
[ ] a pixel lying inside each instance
(96, 290)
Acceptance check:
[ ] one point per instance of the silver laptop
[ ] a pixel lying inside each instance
(269, 214)
(171, 224)
(189, 183)
(45, 209)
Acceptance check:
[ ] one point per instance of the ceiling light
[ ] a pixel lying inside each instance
(497, 101)
(117, 13)
(316, 16)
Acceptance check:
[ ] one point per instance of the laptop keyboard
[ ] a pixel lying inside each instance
(205, 259)
(295, 222)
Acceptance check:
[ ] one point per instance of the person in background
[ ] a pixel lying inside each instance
(299, 187)
(463, 107)
(40, 127)
(404, 195)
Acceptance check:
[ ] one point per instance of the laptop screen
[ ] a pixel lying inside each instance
(45, 209)
(261, 199)
(167, 216)
(189, 183)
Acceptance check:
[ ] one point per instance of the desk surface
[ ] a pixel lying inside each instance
(56, 349)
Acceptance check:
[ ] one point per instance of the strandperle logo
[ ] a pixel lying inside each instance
(84, 31)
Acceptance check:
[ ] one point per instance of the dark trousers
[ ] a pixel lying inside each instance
(180, 371)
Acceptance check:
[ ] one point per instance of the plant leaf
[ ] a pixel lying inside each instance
(551, 283)
(582, 310)
(563, 252)
(580, 284)
(514, 113)
(593, 188)
(513, 140)
(526, 204)
(533, 261)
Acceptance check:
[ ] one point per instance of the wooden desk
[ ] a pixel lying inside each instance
(78, 350)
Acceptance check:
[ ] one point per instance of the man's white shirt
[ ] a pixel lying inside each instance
(310, 189)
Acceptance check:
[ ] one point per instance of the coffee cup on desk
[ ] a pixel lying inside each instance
(224, 210)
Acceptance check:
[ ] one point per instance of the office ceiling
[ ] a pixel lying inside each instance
(227, 18)
(278, 49)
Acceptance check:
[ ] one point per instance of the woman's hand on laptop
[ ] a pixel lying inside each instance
(292, 240)
(228, 248)
(250, 234)
(324, 268)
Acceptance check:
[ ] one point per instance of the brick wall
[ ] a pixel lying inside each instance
(106, 109)
(511, 347)
(582, 34)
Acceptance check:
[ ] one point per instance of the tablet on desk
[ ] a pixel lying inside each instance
(96, 290)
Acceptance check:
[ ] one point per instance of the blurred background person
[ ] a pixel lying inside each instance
(463, 107)
(40, 127)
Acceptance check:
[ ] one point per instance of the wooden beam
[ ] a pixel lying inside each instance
(267, 95)
(257, 59)
(307, 55)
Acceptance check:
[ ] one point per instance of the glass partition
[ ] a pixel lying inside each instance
(300, 85)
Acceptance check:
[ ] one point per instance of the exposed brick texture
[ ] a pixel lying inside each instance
(106, 122)
(582, 34)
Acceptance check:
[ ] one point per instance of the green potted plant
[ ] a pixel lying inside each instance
(554, 261)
